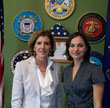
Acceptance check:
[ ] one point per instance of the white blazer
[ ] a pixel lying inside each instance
(26, 89)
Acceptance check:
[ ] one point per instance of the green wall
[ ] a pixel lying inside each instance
(13, 44)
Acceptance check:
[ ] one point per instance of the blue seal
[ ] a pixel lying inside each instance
(96, 58)
(25, 24)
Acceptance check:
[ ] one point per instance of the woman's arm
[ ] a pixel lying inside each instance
(98, 90)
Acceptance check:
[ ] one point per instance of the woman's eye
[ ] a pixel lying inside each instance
(80, 45)
(38, 43)
(46, 43)
(71, 45)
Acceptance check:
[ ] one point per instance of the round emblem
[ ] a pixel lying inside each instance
(19, 56)
(96, 58)
(93, 26)
(25, 24)
(59, 9)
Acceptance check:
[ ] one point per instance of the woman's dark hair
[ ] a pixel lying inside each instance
(34, 38)
(76, 34)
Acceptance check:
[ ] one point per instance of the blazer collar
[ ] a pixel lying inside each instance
(33, 72)
(33, 75)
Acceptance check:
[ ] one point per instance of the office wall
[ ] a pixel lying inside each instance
(13, 44)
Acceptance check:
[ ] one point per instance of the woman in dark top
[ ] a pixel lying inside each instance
(83, 81)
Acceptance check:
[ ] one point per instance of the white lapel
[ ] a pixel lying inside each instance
(33, 75)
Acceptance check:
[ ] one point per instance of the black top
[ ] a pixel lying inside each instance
(79, 92)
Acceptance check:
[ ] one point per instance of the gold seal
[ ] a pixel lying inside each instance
(59, 9)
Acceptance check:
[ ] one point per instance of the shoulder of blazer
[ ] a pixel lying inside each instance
(27, 61)
(55, 65)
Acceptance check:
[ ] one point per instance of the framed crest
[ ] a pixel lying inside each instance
(17, 57)
(25, 24)
(59, 9)
(93, 25)
(96, 58)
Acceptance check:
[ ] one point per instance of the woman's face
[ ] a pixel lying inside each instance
(42, 47)
(77, 48)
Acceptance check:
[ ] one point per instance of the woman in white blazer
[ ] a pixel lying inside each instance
(37, 80)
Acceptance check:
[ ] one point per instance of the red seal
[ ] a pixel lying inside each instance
(93, 26)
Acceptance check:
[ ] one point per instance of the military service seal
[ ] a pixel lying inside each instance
(25, 24)
(96, 58)
(19, 56)
(93, 26)
(59, 9)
